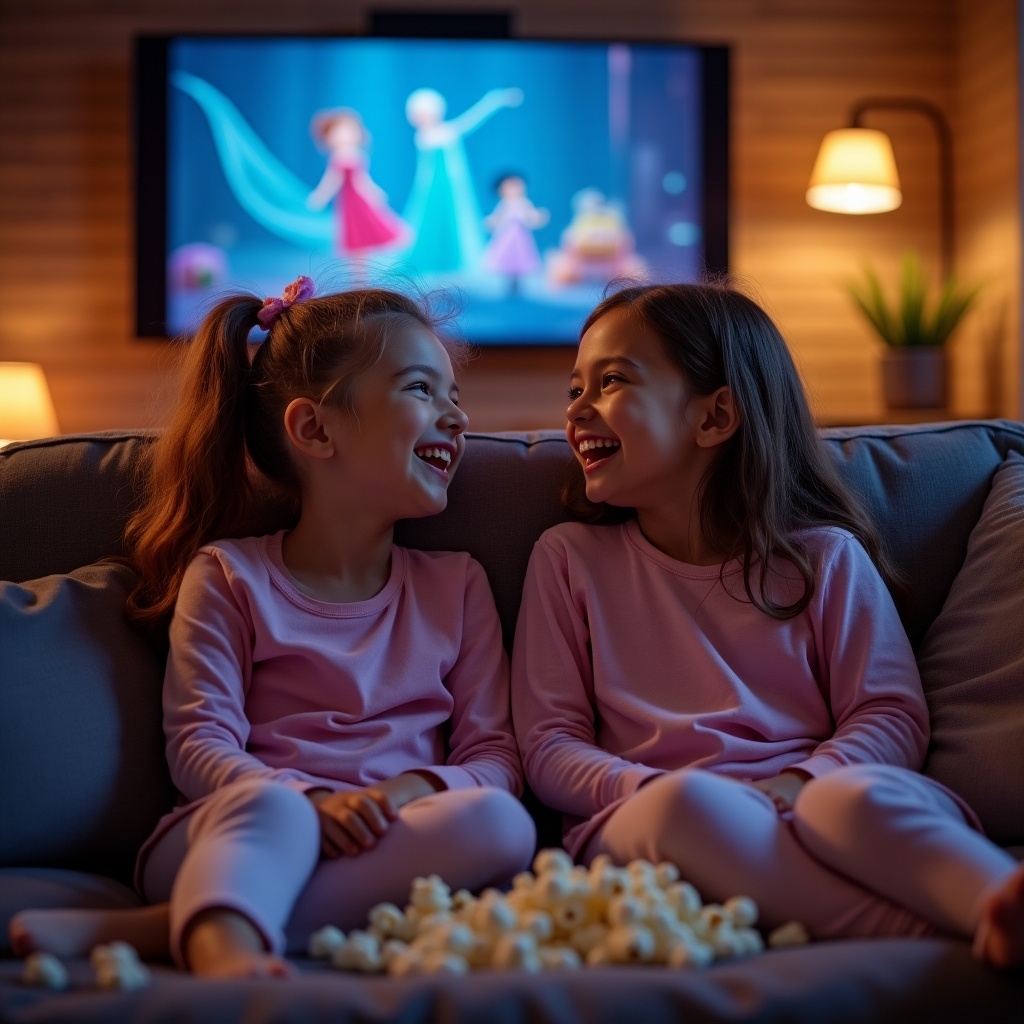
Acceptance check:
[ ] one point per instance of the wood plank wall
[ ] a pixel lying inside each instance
(798, 65)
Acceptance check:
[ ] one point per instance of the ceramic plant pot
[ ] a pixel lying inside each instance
(915, 378)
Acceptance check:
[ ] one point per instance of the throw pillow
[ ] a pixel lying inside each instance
(972, 666)
(84, 777)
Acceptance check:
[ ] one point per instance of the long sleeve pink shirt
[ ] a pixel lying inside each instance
(263, 680)
(629, 663)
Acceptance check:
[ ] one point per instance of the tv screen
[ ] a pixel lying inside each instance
(520, 176)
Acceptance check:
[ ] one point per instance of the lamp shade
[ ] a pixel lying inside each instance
(26, 410)
(855, 173)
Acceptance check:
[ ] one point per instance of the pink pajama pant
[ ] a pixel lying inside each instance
(254, 847)
(866, 851)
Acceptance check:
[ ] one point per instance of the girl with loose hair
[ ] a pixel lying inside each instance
(335, 706)
(709, 668)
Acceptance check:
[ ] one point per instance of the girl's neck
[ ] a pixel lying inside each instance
(343, 565)
(678, 534)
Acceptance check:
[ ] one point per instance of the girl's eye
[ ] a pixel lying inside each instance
(420, 385)
(574, 393)
(610, 378)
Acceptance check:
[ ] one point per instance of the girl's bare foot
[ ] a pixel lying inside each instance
(224, 944)
(999, 940)
(71, 933)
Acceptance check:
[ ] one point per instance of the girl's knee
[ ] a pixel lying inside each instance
(850, 794)
(263, 801)
(498, 827)
(679, 794)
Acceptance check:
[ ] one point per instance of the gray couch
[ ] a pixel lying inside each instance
(82, 775)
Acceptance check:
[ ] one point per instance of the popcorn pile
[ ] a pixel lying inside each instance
(560, 917)
(116, 966)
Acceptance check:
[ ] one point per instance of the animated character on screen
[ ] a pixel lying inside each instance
(365, 221)
(442, 207)
(597, 246)
(512, 250)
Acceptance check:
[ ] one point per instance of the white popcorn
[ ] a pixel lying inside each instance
(690, 954)
(584, 939)
(359, 952)
(46, 971)
(742, 911)
(552, 860)
(685, 899)
(628, 944)
(665, 874)
(440, 962)
(792, 933)
(117, 966)
(324, 942)
(516, 950)
(556, 918)
(559, 958)
(625, 910)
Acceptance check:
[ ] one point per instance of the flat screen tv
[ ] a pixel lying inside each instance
(518, 176)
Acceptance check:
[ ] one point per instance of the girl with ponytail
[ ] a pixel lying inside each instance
(335, 706)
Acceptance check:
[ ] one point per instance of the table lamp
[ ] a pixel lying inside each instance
(26, 410)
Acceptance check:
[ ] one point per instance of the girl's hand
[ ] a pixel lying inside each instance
(352, 821)
(783, 788)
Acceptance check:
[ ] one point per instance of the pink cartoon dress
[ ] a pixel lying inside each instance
(365, 222)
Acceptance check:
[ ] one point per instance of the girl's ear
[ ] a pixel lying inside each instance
(720, 418)
(306, 430)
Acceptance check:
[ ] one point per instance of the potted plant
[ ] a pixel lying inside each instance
(915, 364)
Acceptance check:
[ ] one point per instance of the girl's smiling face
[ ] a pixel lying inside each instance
(400, 444)
(633, 419)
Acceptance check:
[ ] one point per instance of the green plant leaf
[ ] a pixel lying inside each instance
(868, 295)
(908, 322)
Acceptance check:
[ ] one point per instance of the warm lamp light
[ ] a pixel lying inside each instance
(26, 410)
(855, 173)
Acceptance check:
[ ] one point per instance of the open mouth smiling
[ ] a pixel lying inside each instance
(435, 457)
(595, 450)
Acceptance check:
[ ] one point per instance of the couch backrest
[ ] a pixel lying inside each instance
(63, 505)
(63, 502)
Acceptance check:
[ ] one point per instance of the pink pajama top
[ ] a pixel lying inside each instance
(629, 664)
(265, 681)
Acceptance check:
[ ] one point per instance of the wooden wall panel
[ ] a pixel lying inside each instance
(987, 124)
(798, 65)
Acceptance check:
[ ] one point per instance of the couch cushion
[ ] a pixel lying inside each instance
(884, 981)
(81, 744)
(972, 666)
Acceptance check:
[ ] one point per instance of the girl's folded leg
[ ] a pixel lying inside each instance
(728, 839)
(232, 872)
(472, 838)
(902, 835)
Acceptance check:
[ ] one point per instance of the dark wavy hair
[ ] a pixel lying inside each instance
(226, 441)
(774, 476)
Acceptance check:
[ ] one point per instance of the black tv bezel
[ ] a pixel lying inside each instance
(151, 157)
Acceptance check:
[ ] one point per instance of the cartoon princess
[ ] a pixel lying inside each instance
(365, 221)
(512, 250)
(442, 207)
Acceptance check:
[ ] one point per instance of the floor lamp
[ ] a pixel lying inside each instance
(855, 171)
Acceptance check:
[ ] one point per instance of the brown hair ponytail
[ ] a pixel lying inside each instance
(198, 484)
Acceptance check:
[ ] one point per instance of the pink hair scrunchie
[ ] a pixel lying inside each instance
(299, 290)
